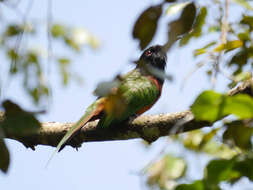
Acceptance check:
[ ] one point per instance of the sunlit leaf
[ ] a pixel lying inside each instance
(17, 121)
(4, 156)
(165, 170)
(199, 141)
(204, 49)
(212, 106)
(240, 105)
(175, 8)
(230, 45)
(207, 106)
(81, 37)
(145, 26)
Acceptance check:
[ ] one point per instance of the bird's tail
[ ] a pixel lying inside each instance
(90, 114)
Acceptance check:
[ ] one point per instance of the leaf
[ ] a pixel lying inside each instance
(244, 166)
(197, 27)
(13, 30)
(71, 43)
(240, 105)
(182, 25)
(244, 36)
(218, 171)
(241, 58)
(238, 134)
(64, 69)
(81, 37)
(168, 168)
(58, 30)
(199, 141)
(17, 121)
(203, 49)
(197, 185)
(243, 3)
(247, 20)
(175, 8)
(207, 106)
(4, 156)
(230, 45)
(212, 106)
(64, 60)
(146, 25)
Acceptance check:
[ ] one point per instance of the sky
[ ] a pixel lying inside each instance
(104, 165)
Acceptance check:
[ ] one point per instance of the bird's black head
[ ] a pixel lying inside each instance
(154, 56)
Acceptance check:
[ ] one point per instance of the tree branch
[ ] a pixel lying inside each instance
(147, 127)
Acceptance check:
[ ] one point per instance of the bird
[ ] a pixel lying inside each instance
(137, 91)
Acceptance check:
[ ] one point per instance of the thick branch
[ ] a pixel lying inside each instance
(147, 127)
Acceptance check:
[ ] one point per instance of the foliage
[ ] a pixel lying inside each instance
(231, 140)
(228, 142)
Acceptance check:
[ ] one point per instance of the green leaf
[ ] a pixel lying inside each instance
(58, 30)
(17, 121)
(64, 69)
(212, 106)
(247, 20)
(244, 166)
(219, 170)
(197, 27)
(64, 60)
(182, 25)
(197, 185)
(230, 45)
(13, 30)
(238, 134)
(207, 106)
(203, 49)
(241, 58)
(71, 43)
(244, 36)
(4, 156)
(146, 25)
(240, 105)
(199, 141)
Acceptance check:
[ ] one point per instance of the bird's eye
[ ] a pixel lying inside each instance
(148, 53)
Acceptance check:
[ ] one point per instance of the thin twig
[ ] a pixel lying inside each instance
(223, 39)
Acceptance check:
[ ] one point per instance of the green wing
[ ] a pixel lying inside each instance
(136, 92)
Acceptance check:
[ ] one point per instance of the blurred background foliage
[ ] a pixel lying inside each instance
(227, 52)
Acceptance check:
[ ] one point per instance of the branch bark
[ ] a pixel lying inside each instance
(148, 127)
